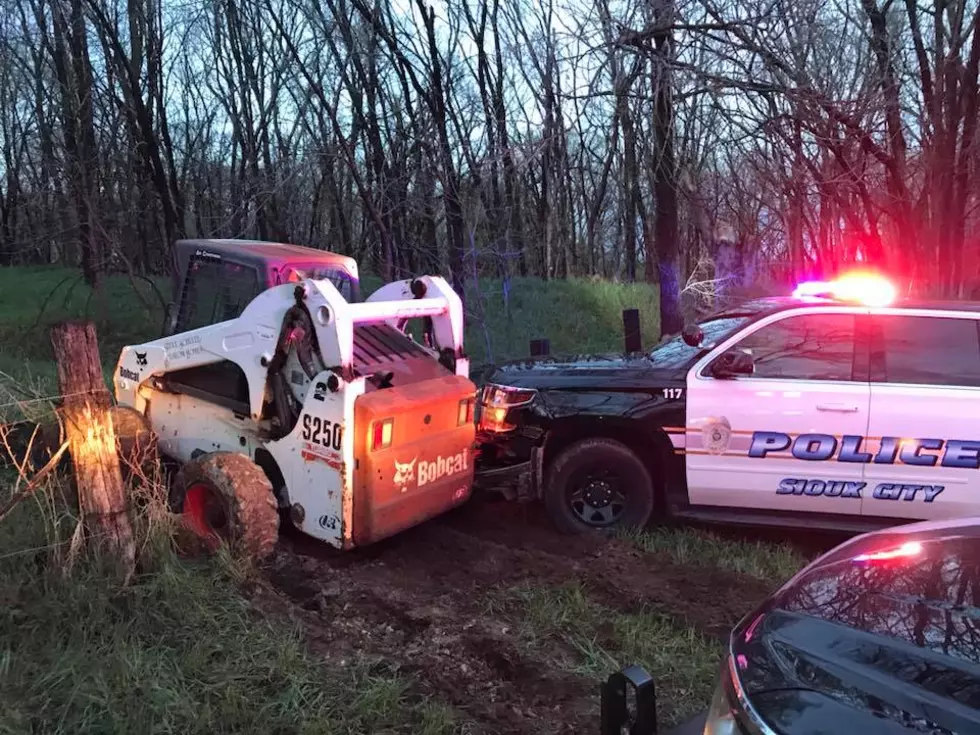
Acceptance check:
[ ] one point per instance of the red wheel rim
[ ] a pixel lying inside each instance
(199, 513)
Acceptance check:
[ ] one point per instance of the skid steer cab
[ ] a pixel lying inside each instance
(279, 395)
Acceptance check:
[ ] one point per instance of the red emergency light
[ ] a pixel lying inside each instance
(909, 548)
(868, 289)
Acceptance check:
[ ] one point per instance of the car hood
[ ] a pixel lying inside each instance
(587, 371)
(871, 648)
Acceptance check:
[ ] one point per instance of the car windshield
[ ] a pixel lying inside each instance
(922, 588)
(675, 352)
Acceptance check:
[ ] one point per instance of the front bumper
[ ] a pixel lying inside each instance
(515, 479)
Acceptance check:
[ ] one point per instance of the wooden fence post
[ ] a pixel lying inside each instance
(540, 347)
(632, 338)
(92, 440)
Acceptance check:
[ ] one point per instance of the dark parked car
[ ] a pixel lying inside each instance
(880, 636)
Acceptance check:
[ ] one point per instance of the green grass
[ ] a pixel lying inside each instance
(773, 563)
(577, 315)
(179, 650)
(34, 298)
(682, 661)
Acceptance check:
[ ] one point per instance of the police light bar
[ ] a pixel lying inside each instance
(864, 288)
(909, 548)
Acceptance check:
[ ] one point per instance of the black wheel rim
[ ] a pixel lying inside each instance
(598, 497)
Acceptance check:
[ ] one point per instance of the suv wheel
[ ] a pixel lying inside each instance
(598, 485)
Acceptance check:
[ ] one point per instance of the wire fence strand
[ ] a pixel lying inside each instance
(44, 399)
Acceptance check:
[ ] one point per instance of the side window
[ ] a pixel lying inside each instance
(929, 350)
(337, 277)
(215, 291)
(804, 347)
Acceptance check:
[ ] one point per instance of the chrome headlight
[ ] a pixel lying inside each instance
(496, 401)
(730, 712)
(494, 395)
(721, 713)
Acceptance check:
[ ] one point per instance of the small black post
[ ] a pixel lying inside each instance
(614, 713)
(631, 330)
(540, 347)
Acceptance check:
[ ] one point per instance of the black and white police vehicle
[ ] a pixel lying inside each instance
(836, 408)
(877, 636)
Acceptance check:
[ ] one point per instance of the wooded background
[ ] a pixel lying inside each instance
(666, 140)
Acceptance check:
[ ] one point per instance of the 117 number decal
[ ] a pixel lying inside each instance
(672, 394)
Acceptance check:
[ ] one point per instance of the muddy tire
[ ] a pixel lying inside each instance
(224, 497)
(135, 440)
(598, 486)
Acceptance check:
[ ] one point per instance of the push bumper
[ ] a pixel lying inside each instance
(520, 480)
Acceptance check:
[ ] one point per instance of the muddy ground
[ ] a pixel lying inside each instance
(427, 603)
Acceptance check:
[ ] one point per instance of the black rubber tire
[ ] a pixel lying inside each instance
(135, 440)
(238, 489)
(598, 453)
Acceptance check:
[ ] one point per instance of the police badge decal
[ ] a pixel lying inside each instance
(716, 433)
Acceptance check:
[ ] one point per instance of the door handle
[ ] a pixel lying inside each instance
(838, 407)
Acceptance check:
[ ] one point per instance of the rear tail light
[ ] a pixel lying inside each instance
(381, 432)
(465, 413)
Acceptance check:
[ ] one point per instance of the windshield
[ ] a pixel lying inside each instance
(919, 587)
(675, 352)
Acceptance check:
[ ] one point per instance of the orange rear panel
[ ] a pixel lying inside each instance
(428, 467)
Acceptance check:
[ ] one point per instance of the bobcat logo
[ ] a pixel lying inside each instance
(404, 474)
(141, 359)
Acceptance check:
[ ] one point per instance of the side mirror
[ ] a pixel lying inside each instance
(692, 335)
(615, 717)
(731, 364)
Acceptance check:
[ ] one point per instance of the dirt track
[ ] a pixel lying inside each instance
(422, 602)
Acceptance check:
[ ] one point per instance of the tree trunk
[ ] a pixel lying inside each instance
(92, 441)
(666, 219)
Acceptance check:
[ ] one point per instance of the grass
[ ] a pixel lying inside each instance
(773, 563)
(682, 661)
(179, 650)
(577, 315)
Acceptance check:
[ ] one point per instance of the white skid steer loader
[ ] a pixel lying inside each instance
(279, 396)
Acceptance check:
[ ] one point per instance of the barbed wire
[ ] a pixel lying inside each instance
(44, 399)
(94, 536)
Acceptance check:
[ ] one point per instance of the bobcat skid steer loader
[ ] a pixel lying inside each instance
(279, 396)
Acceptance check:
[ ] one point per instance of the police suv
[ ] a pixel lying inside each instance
(836, 408)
